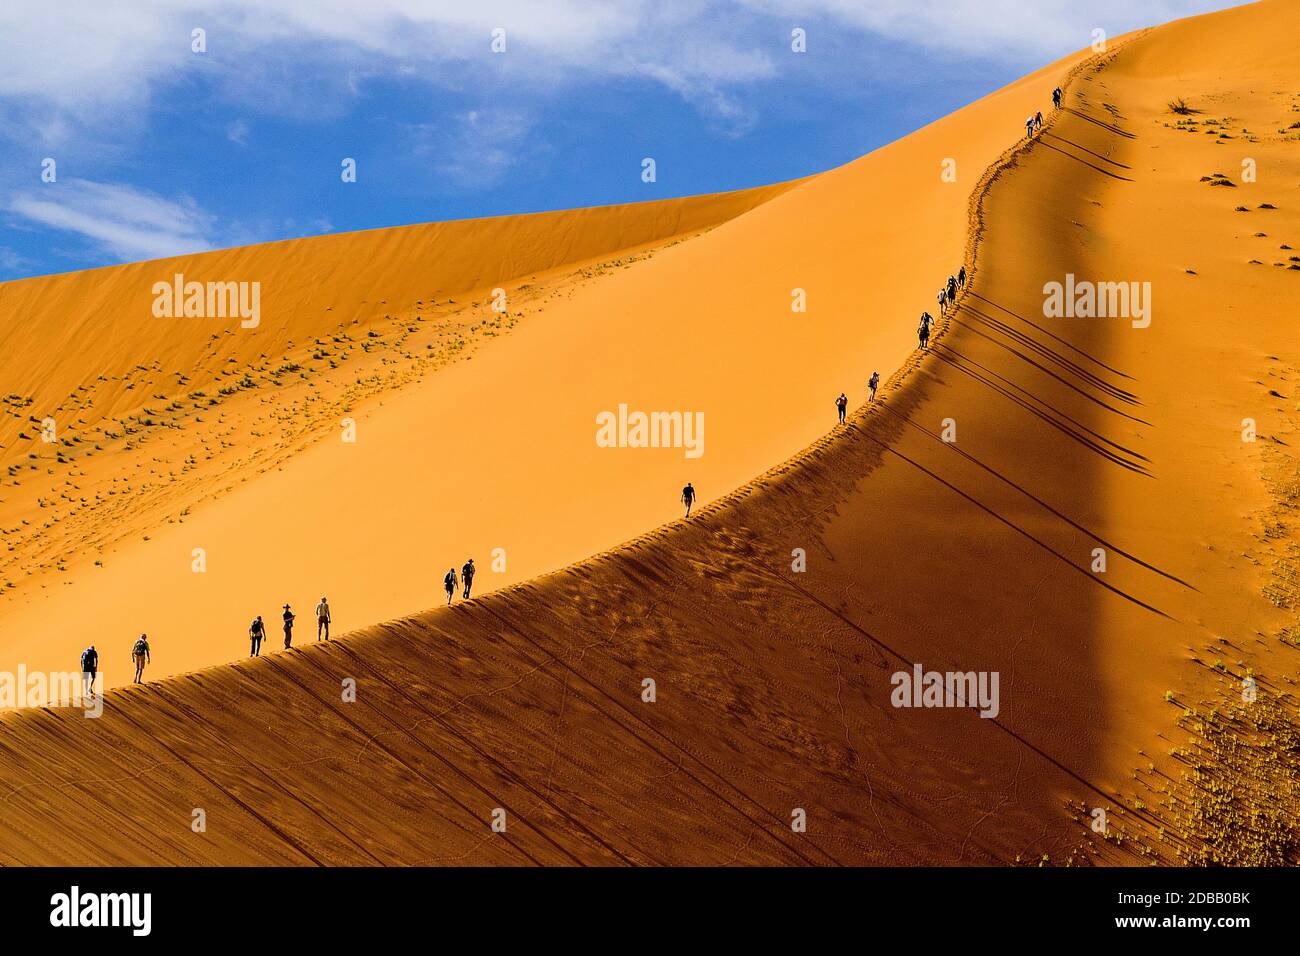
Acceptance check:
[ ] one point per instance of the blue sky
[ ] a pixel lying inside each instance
(161, 150)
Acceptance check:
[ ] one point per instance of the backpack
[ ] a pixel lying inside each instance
(86, 657)
(140, 647)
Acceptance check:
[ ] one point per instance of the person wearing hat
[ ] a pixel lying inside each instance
(467, 576)
(288, 627)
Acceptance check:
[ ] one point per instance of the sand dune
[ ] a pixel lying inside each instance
(1121, 690)
(498, 452)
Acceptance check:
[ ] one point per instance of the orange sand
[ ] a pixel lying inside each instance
(772, 687)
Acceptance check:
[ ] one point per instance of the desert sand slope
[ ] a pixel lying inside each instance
(772, 687)
(498, 454)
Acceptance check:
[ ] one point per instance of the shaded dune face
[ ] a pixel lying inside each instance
(771, 686)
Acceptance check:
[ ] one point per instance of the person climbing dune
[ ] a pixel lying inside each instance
(449, 584)
(923, 330)
(688, 497)
(842, 405)
(323, 619)
(89, 667)
(873, 383)
(140, 654)
(467, 576)
(256, 634)
(288, 627)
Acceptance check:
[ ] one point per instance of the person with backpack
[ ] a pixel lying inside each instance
(842, 405)
(323, 619)
(872, 384)
(89, 667)
(1056, 97)
(952, 288)
(288, 627)
(140, 654)
(1029, 127)
(449, 584)
(688, 497)
(256, 632)
(961, 277)
(1038, 120)
(923, 330)
(467, 576)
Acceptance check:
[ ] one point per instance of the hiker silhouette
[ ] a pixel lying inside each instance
(140, 654)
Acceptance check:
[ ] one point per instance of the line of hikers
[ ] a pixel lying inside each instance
(842, 403)
(449, 581)
(1035, 123)
(257, 630)
(140, 654)
(947, 298)
(90, 663)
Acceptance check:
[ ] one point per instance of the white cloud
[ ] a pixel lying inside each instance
(78, 57)
(79, 54)
(125, 222)
(997, 29)
(475, 149)
(78, 71)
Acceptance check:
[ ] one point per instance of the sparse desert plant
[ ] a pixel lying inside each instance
(1180, 107)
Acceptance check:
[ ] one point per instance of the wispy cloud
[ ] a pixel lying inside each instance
(475, 149)
(11, 261)
(122, 221)
(80, 79)
(995, 29)
(62, 65)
